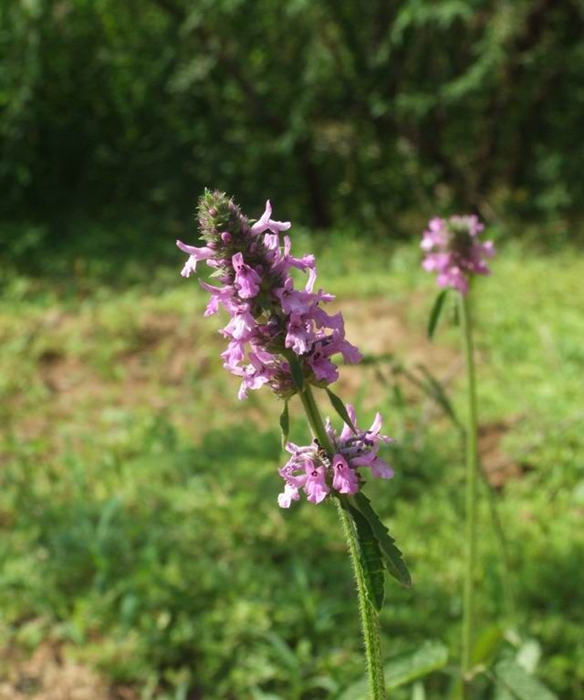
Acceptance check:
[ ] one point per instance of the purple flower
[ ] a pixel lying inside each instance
(268, 317)
(219, 295)
(265, 223)
(454, 251)
(255, 375)
(299, 336)
(345, 480)
(324, 370)
(195, 255)
(291, 300)
(233, 356)
(315, 487)
(290, 494)
(247, 281)
(276, 331)
(312, 470)
(284, 261)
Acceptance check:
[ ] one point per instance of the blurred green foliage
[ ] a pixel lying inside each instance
(343, 112)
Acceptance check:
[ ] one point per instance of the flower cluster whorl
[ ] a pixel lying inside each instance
(271, 322)
(454, 251)
(318, 473)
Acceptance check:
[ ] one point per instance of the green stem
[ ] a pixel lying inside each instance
(369, 616)
(472, 467)
(315, 419)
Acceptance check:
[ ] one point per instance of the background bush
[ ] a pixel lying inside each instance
(342, 112)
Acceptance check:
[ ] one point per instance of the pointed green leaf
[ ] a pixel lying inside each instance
(518, 684)
(285, 424)
(371, 558)
(340, 408)
(296, 371)
(393, 557)
(435, 313)
(403, 669)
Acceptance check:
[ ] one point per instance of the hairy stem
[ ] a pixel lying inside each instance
(369, 616)
(472, 468)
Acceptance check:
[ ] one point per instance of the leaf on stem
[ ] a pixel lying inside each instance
(341, 409)
(435, 313)
(371, 558)
(393, 557)
(285, 424)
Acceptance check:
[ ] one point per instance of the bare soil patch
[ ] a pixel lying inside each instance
(47, 675)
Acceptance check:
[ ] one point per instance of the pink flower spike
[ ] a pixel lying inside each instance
(454, 251)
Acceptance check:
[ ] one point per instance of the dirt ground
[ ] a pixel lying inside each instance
(46, 675)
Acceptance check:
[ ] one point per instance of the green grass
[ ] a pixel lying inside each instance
(138, 496)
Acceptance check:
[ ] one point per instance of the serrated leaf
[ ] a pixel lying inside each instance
(403, 669)
(518, 684)
(392, 555)
(341, 409)
(285, 424)
(371, 558)
(296, 372)
(435, 313)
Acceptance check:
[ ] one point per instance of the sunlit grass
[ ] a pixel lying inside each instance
(138, 495)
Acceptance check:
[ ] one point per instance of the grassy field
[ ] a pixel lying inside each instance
(142, 551)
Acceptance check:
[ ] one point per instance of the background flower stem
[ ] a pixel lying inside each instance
(472, 467)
